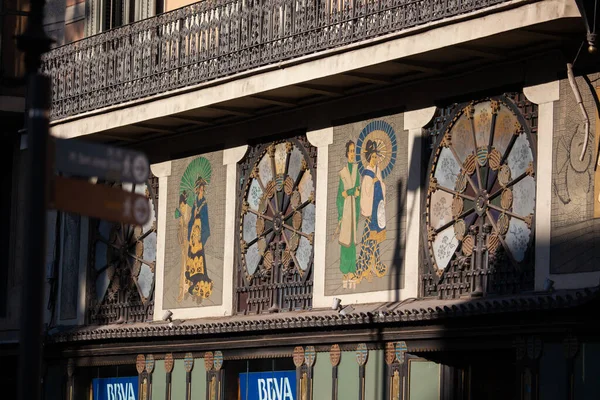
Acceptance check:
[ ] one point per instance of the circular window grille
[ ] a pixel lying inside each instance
(277, 221)
(481, 189)
(124, 259)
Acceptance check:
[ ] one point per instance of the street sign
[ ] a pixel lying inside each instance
(77, 158)
(122, 388)
(272, 385)
(99, 201)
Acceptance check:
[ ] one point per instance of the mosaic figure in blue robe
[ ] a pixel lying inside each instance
(372, 207)
(196, 274)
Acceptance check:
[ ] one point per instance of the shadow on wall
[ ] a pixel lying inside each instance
(400, 246)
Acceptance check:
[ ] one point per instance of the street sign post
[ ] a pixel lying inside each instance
(78, 158)
(99, 201)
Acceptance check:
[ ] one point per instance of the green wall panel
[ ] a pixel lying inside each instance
(424, 380)
(159, 380)
(198, 380)
(374, 375)
(322, 377)
(178, 381)
(347, 377)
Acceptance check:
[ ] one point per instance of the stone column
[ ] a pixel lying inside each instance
(544, 95)
(93, 17)
(321, 139)
(162, 171)
(414, 121)
(146, 9)
(231, 157)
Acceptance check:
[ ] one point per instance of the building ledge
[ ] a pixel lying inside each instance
(134, 113)
(428, 311)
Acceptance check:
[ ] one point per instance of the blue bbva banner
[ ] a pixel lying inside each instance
(116, 388)
(277, 385)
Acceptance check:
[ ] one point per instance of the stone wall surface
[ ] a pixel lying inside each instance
(574, 229)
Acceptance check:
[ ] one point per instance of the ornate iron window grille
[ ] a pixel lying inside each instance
(122, 267)
(483, 265)
(213, 39)
(276, 227)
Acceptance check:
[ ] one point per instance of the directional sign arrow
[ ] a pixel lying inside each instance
(99, 201)
(78, 158)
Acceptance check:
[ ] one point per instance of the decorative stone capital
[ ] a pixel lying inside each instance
(234, 154)
(417, 119)
(543, 93)
(320, 137)
(161, 170)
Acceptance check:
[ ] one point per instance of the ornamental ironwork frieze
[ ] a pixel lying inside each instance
(212, 39)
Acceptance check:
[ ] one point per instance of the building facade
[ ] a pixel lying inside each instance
(350, 200)
(13, 16)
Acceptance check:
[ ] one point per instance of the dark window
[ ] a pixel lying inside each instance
(113, 14)
(7, 151)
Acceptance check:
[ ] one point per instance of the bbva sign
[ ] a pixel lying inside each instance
(115, 388)
(276, 385)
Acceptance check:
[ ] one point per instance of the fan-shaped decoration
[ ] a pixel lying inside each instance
(140, 363)
(488, 169)
(150, 363)
(209, 360)
(495, 158)
(169, 362)
(457, 206)
(188, 362)
(469, 165)
(390, 353)
(493, 242)
(461, 183)
(335, 355)
(198, 168)
(310, 355)
(384, 136)
(276, 227)
(123, 259)
(298, 356)
(459, 229)
(362, 354)
(401, 350)
(218, 360)
(467, 245)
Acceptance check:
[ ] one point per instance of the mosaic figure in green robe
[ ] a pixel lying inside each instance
(348, 205)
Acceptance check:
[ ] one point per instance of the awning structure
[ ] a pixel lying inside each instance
(404, 313)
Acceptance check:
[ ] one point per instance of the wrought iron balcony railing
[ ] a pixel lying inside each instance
(218, 38)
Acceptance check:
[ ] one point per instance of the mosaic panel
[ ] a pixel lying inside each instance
(193, 275)
(365, 212)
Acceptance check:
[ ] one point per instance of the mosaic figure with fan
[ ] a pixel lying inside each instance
(372, 206)
(376, 153)
(195, 279)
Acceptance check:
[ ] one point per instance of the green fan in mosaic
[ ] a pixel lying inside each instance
(200, 167)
